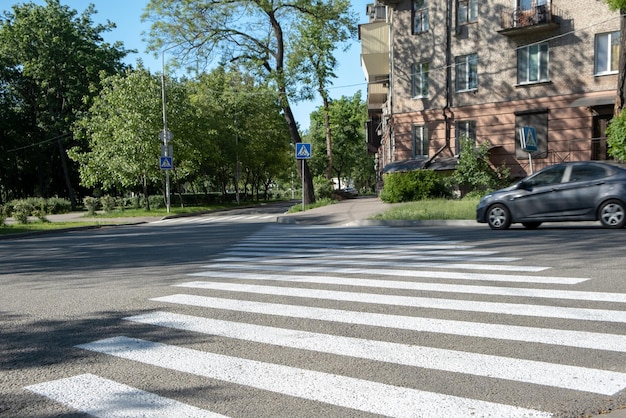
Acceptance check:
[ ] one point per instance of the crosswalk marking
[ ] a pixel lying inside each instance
(358, 394)
(422, 286)
(535, 372)
(582, 314)
(105, 398)
(199, 220)
(579, 339)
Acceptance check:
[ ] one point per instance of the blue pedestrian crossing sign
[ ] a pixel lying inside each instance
(529, 139)
(303, 151)
(166, 163)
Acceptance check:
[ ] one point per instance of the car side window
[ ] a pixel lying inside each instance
(552, 175)
(587, 172)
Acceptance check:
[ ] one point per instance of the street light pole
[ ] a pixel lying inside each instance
(167, 135)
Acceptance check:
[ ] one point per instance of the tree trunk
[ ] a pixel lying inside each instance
(309, 192)
(66, 173)
(620, 98)
(329, 137)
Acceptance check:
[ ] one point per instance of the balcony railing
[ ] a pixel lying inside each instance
(517, 20)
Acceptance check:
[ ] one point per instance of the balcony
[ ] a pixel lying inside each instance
(520, 22)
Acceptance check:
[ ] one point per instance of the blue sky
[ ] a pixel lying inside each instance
(126, 14)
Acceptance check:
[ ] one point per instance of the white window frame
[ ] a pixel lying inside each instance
(533, 63)
(420, 16)
(606, 59)
(419, 139)
(419, 80)
(466, 72)
(466, 12)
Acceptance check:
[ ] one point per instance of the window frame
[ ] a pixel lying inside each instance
(466, 73)
(466, 12)
(419, 10)
(420, 144)
(463, 128)
(419, 80)
(610, 58)
(533, 55)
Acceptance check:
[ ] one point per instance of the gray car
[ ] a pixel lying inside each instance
(572, 191)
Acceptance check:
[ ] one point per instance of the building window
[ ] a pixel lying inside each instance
(419, 80)
(532, 64)
(464, 129)
(420, 141)
(466, 11)
(420, 16)
(466, 72)
(607, 53)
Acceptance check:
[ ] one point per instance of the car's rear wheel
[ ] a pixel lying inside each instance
(498, 217)
(612, 214)
(531, 225)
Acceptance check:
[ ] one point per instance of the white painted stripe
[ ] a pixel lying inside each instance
(360, 249)
(579, 339)
(526, 371)
(352, 252)
(285, 261)
(430, 287)
(362, 395)
(359, 259)
(101, 397)
(401, 273)
(581, 314)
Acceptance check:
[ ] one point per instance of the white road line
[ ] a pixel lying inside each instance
(579, 339)
(526, 371)
(401, 273)
(430, 287)
(284, 261)
(544, 311)
(101, 397)
(369, 259)
(329, 388)
(288, 251)
(361, 249)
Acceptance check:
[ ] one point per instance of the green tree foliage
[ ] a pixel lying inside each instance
(51, 61)
(255, 34)
(122, 129)
(243, 124)
(347, 122)
(616, 137)
(474, 171)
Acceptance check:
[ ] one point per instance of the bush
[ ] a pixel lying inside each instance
(22, 209)
(323, 187)
(413, 185)
(3, 214)
(56, 205)
(91, 203)
(108, 203)
(156, 202)
(474, 172)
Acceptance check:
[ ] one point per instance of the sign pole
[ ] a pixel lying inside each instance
(302, 184)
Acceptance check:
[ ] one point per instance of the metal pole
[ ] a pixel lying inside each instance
(165, 136)
(302, 184)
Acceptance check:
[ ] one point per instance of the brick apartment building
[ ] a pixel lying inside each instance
(438, 70)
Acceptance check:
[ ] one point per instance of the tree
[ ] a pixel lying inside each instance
(347, 121)
(313, 58)
(254, 33)
(53, 59)
(620, 99)
(122, 128)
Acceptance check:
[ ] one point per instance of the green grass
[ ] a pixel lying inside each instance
(318, 204)
(38, 226)
(432, 209)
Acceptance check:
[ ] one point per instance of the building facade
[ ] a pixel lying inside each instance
(439, 70)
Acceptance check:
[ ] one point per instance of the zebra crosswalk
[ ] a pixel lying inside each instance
(443, 312)
(210, 219)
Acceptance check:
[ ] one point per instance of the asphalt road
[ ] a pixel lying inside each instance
(245, 317)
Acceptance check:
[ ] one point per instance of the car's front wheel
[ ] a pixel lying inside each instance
(498, 217)
(612, 214)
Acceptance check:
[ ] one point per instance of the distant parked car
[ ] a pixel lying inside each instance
(572, 191)
(349, 192)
